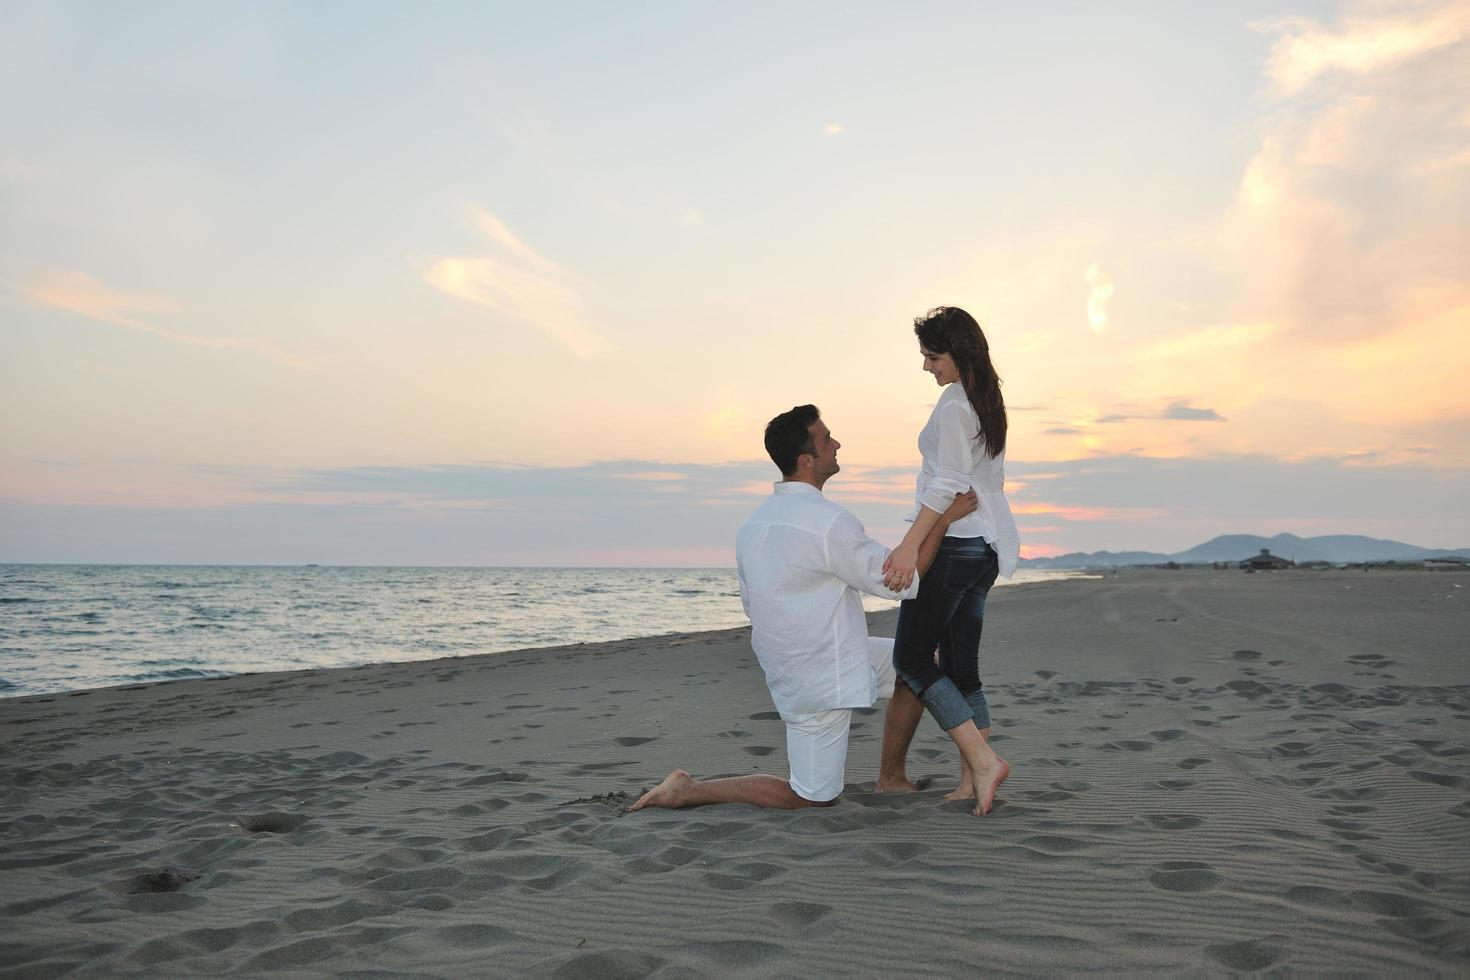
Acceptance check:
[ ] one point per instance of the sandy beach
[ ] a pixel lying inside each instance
(1212, 772)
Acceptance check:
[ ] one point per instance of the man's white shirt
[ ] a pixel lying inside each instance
(803, 562)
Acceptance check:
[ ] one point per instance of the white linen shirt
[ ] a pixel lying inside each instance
(955, 460)
(802, 561)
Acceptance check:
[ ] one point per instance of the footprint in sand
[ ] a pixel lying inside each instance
(1435, 748)
(1183, 876)
(600, 766)
(269, 823)
(758, 750)
(799, 913)
(155, 882)
(1246, 655)
(610, 963)
(628, 741)
(743, 876)
(766, 716)
(1126, 745)
(1250, 956)
(1439, 779)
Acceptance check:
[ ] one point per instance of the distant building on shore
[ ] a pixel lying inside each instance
(1265, 561)
(1447, 564)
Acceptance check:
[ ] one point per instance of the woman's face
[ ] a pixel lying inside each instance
(940, 365)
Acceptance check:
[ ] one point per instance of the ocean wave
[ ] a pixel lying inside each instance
(176, 674)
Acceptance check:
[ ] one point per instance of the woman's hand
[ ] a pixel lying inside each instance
(899, 567)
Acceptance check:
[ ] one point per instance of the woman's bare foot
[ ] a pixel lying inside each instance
(673, 792)
(989, 780)
(966, 788)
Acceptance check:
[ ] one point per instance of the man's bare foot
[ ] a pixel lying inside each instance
(900, 785)
(673, 792)
(988, 780)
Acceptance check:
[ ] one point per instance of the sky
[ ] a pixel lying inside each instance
(521, 284)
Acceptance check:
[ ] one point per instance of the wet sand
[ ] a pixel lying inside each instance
(1212, 772)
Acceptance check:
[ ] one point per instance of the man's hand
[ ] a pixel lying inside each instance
(964, 505)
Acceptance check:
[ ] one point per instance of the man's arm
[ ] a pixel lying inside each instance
(963, 505)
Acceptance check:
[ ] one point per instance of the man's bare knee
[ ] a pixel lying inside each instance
(822, 803)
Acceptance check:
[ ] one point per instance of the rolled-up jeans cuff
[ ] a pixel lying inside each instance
(979, 708)
(947, 704)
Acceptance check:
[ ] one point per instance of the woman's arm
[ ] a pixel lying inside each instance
(903, 561)
(952, 476)
(963, 505)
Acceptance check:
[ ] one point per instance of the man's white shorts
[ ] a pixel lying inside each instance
(816, 741)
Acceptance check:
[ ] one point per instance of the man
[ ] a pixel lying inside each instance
(803, 562)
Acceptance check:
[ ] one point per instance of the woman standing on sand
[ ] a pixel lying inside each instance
(963, 446)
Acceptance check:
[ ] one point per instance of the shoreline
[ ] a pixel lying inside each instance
(1210, 773)
(227, 653)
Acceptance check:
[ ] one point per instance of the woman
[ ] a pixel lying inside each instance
(963, 446)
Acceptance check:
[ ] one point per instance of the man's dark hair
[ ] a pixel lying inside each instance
(788, 435)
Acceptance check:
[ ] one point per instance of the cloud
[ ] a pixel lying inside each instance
(520, 283)
(498, 513)
(1177, 410)
(71, 291)
(1379, 39)
(498, 233)
(1067, 512)
(1349, 219)
(1100, 291)
(77, 292)
(657, 476)
(1180, 411)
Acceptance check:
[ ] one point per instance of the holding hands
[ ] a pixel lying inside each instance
(903, 562)
(899, 567)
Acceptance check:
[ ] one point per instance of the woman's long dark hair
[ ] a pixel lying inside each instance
(950, 330)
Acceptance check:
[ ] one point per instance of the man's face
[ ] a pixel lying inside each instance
(824, 460)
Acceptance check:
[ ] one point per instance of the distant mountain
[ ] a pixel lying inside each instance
(1236, 547)
(1097, 559)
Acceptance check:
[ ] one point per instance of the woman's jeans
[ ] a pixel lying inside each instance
(948, 615)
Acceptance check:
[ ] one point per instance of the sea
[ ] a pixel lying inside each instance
(73, 627)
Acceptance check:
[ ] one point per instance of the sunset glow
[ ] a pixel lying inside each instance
(495, 286)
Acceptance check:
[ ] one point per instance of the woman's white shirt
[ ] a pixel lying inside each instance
(955, 460)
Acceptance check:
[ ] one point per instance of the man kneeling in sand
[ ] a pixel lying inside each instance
(803, 560)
